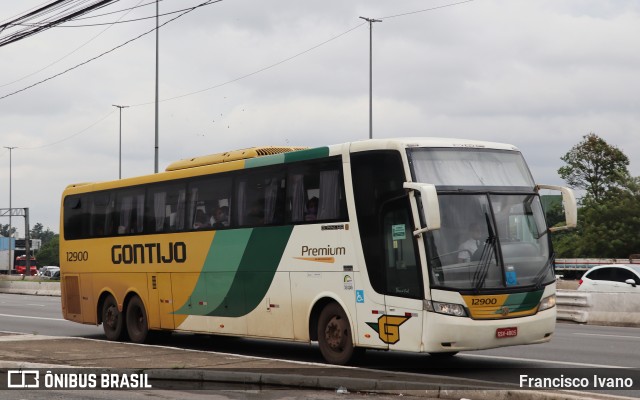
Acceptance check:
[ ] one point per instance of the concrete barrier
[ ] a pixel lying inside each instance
(21, 285)
(596, 308)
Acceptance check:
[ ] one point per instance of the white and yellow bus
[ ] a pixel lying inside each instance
(418, 244)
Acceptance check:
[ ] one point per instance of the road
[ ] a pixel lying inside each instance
(574, 350)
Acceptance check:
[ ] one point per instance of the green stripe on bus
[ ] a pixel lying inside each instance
(263, 161)
(237, 272)
(218, 272)
(522, 301)
(309, 154)
(256, 271)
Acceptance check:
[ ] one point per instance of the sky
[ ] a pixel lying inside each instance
(241, 73)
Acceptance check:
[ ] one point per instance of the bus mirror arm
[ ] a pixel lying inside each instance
(430, 205)
(569, 204)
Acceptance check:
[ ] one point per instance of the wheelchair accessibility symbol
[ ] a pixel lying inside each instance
(359, 296)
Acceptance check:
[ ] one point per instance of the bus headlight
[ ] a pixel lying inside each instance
(457, 310)
(547, 303)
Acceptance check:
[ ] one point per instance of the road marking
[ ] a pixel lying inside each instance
(28, 317)
(575, 364)
(605, 335)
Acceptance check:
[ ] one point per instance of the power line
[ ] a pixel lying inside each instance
(425, 10)
(297, 55)
(71, 136)
(240, 77)
(119, 11)
(64, 10)
(257, 71)
(116, 22)
(109, 51)
(68, 54)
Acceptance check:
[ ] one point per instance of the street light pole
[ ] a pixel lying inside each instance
(120, 142)
(371, 21)
(157, 60)
(10, 209)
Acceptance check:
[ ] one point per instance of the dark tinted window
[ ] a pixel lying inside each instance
(301, 192)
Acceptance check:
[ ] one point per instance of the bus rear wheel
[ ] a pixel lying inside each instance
(112, 319)
(334, 335)
(136, 317)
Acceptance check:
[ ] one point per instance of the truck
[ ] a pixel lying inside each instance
(21, 265)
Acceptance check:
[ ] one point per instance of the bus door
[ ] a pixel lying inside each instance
(401, 326)
(161, 300)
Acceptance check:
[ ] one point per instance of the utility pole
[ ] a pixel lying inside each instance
(120, 142)
(371, 21)
(10, 225)
(155, 170)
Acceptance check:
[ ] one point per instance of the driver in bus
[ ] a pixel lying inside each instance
(469, 246)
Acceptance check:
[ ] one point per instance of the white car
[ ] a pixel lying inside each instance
(48, 270)
(612, 278)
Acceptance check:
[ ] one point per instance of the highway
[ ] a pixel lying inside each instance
(575, 350)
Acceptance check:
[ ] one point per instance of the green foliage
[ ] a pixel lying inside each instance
(609, 216)
(595, 166)
(49, 253)
(38, 232)
(4, 230)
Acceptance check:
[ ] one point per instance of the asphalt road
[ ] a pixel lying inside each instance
(575, 349)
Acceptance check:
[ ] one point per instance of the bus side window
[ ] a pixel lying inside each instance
(165, 208)
(206, 197)
(102, 207)
(130, 208)
(259, 198)
(315, 192)
(75, 216)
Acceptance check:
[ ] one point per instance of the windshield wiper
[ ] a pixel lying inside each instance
(485, 258)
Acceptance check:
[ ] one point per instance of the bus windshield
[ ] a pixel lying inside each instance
(493, 232)
(470, 168)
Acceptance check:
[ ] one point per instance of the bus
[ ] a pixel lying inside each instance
(362, 245)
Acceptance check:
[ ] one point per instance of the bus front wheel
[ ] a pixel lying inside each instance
(136, 317)
(334, 335)
(112, 319)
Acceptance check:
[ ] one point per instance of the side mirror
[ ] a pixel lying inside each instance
(430, 205)
(631, 282)
(568, 203)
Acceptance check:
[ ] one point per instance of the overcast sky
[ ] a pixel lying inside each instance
(537, 74)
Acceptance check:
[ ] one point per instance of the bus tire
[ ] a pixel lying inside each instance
(112, 319)
(136, 316)
(334, 335)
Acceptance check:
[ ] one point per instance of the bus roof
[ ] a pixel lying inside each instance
(433, 142)
(235, 159)
(228, 156)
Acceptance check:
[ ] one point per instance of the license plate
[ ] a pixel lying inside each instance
(506, 332)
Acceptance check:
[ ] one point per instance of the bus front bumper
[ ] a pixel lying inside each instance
(444, 333)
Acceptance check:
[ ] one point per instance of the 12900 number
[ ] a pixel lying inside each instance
(484, 301)
(73, 256)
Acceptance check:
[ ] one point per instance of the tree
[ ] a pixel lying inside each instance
(595, 166)
(49, 253)
(38, 232)
(4, 230)
(609, 216)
